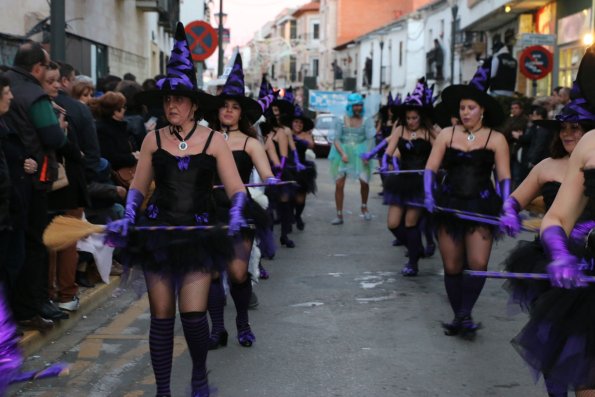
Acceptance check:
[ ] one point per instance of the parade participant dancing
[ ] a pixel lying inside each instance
(354, 136)
(182, 158)
(235, 117)
(412, 140)
(543, 180)
(277, 148)
(559, 339)
(468, 153)
(301, 127)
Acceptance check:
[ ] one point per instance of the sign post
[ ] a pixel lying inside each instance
(536, 62)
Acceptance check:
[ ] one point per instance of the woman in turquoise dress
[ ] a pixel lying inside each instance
(354, 136)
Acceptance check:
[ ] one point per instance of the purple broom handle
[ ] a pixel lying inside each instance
(519, 276)
(180, 228)
(263, 184)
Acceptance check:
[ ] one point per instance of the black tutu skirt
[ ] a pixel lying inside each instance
(306, 179)
(526, 257)
(559, 339)
(178, 252)
(400, 189)
(490, 204)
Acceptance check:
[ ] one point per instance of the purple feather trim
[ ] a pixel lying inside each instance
(10, 355)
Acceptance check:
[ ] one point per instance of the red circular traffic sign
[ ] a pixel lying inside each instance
(536, 62)
(202, 40)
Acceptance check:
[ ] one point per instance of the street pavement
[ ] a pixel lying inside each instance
(336, 319)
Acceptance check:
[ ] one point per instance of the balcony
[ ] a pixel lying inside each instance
(471, 41)
(152, 5)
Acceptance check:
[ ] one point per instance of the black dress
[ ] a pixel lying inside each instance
(400, 189)
(559, 339)
(253, 212)
(529, 257)
(183, 196)
(467, 186)
(306, 179)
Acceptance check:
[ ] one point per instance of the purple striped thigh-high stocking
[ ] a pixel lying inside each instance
(161, 346)
(196, 332)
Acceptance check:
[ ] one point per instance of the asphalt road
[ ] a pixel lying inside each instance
(335, 319)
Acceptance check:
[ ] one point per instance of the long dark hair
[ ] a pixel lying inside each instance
(557, 150)
(424, 121)
(243, 124)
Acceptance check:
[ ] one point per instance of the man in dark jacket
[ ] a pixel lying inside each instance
(32, 115)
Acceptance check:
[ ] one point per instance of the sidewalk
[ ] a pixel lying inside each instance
(90, 299)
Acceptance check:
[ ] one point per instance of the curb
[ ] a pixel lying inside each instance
(90, 299)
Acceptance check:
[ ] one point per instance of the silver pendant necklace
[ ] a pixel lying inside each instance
(183, 146)
(471, 134)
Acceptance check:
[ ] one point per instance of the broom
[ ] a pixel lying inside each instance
(65, 231)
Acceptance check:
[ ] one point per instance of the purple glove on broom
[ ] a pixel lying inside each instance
(236, 218)
(384, 163)
(116, 231)
(429, 177)
(564, 268)
(510, 221)
(298, 165)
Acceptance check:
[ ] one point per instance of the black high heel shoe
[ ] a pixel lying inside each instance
(453, 328)
(217, 340)
(284, 240)
(469, 328)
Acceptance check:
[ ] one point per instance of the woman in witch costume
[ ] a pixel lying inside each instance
(411, 144)
(468, 153)
(235, 116)
(183, 159)
(353, 137)
(280, 198)
(301, 127)
(559, 339)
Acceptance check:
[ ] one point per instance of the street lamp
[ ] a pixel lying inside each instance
(455, 10)
(220, 18)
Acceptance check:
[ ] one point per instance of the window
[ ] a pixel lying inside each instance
(314, 67)
(316, 31)
(293, 29)
(400, 53)
(292, 69)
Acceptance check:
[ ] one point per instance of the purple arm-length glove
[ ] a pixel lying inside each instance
(510, 221)
(429, 178)
(236, 217)
(372, 153)
(505, 185)
(280, 167)
(117, 231)
(298, 165)
(384, 162)
(564, 268)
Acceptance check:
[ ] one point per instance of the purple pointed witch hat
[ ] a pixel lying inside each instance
(476, 90)
(578, 110)
(298, 114)
(266, 101)
(234, 89)
(389, 99)
(285, 103)
(417, 100)
(265, 87)
(180, 79)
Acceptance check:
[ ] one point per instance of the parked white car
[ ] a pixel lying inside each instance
(323, 134)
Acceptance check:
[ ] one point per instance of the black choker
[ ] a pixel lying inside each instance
(183, 145)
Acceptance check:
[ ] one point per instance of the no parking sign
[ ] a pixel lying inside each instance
(536, 62)
(202, 40)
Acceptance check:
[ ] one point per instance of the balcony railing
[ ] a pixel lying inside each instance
(468, 39)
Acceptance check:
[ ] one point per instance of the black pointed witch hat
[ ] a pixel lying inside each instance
(180, 79)
(234, 89)
(298, 114)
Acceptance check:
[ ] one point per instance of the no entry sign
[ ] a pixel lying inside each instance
(202, 40)
(536, 62)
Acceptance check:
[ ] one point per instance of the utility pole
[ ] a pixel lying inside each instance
(220, 40)
(58, 30)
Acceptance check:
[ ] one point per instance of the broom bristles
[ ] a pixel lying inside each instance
(65, 231)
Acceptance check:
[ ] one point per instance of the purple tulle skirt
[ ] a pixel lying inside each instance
(400, 189)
